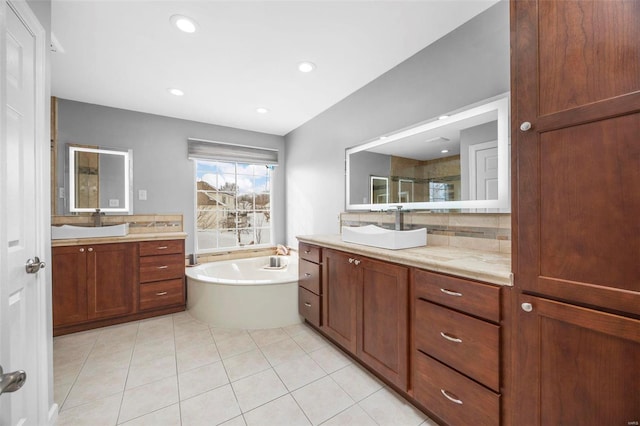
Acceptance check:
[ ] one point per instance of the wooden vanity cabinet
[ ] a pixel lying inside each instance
(365, 310)
(310, 283)
(161, 274)
(92, 282)
(456, 348)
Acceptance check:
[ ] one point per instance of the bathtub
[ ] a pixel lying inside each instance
(259, 292)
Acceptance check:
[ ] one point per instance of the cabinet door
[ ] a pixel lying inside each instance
(110, 279)
(577, 366)
(69, 281)
(339, 298)
(382, 307)
(576, 74)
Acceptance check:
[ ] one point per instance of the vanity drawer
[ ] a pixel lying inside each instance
(475, 298)
(469, 345)
(452, 397)
(159, 268)
(309, 276)
(309, 252)
(153, 248)
(309, 306)
(163, 293)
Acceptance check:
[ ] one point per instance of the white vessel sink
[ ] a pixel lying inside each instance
(375, 236)
(71, 231)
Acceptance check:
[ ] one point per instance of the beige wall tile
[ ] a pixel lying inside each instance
(479, 220)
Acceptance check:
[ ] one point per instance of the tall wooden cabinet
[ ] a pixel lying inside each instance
(576, 121)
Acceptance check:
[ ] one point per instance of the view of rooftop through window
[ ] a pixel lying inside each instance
(233, 204)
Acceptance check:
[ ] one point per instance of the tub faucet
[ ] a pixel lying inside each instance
(97, 218)
(282, 250)
(398, 213)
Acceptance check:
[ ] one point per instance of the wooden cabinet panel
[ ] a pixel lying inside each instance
(469, 345)
(382, 302)
(110, 279)
(162, 293)
(309, 306)
(69, 277)
(452, 397)
(154, 248)
(576, 363)
(340, 280)
(475, 298)
(309, 276)
(157, 268)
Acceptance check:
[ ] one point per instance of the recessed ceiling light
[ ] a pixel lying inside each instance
(444, 151)
(442, 117)
(262, 110)
(184, 23)
(176, 92)
(306, 66)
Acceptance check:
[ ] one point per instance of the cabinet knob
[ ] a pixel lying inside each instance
(526, 126)
(90, 249)
(81, 250)
(357, 262)
(351, 259)
(527, 307)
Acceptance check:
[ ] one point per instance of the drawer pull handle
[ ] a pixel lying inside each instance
(451, 293)
(163, 267)
(450, 398)
(307, 251)
(306, 274)
(449, 338)
(163, 247)
(162, 293)
(357, 262)
(307, 304)
(351, 259)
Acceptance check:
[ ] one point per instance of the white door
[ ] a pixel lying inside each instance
(483, 171)
(23, 295)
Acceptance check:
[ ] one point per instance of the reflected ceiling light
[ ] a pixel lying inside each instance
(184, 23)
(444, 151)
(442, 117)
(262, 110)
(306, 66)
(176, 92)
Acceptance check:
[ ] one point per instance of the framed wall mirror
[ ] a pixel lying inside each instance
(99, 179)
(458, 161)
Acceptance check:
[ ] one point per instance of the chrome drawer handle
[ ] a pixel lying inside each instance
(162, 293)
(451, 293)
(307, 251)
(306, 274)
(307, 304)
(450, 398)
(451, 339)
(163, 247)
(163, 267)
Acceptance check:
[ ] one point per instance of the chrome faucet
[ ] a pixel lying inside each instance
(398, 213)
(97, 218)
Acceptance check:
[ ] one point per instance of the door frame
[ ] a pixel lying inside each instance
(46, 407)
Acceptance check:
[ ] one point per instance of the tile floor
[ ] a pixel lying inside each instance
(174, 370)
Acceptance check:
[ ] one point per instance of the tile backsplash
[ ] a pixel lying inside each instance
(482, 231)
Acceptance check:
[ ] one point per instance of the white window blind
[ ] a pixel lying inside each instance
(200, 149)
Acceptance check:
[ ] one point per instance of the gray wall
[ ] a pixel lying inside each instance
(160, 163)
(466, 66)
(362, 166)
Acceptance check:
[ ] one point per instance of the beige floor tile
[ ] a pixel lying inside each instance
(194, 338)
(357, 382)
(330, 359)
(235, 345)
(75, 340)
(197, 356)
(283, 411)
(258, 389)
(202, 379)
(268, 336)
(210, 408)
(103, 412)
(146, 351)
(60, 391)
(353, 416)
(104, 360)
(283, 351)
(245, 365)
(148, 398)
(299, 371)
(309, 340)
(94, 385)
(151, 371)
(182, 328)
(168, 416)
(236, 421)
(295, 329)
(322, 400)
(387, 408)
(220, 334)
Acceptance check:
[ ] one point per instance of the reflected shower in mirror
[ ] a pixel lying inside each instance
(460, 161)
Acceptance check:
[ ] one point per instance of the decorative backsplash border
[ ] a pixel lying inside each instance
(482, 231)
(138, 223)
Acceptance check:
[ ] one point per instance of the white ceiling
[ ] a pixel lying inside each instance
(125, 54)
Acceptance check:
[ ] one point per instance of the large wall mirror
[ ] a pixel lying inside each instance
(99, 179)
(458, 161)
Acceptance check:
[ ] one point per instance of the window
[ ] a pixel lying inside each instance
(233, 204)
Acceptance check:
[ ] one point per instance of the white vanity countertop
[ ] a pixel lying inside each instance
(490, 267)
(135, 237)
